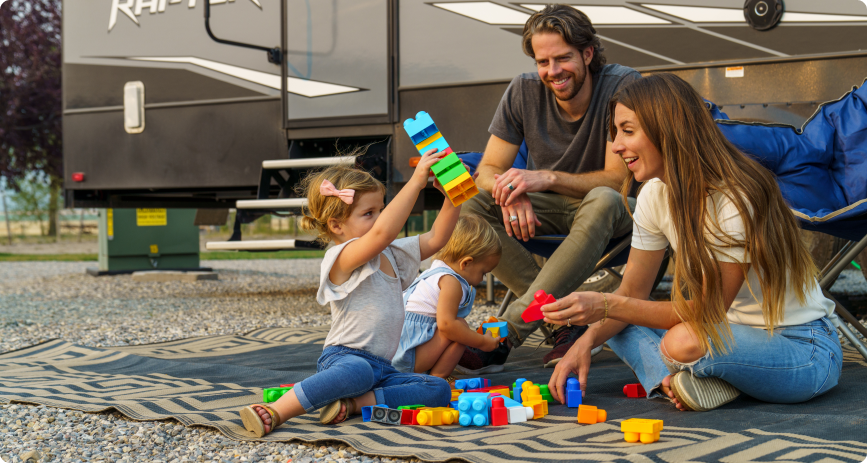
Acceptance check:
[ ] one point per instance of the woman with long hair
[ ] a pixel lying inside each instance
(746, 311)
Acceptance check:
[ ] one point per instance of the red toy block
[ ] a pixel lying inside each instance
(409, 416)
(499, 413)
(634, 390)
(534, 310)
(288, 385)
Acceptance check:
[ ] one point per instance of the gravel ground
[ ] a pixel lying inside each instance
(46, 300)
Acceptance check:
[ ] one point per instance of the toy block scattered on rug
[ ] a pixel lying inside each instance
(634, 390)
(474, 408)
(472, 383)
(533, 311)
(573, 393)
(385, 415)
(271, 394)
(588, 414)
(409, 416)
(367, 411)
(641, 429)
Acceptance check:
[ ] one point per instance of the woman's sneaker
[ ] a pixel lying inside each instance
(702, 394)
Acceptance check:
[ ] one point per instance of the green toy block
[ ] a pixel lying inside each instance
(410, 407)
(448, 169)
(271, 394)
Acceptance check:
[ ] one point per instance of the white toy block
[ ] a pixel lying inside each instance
(520, 414)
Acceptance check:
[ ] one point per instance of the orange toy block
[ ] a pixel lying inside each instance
(588, 414)
(540, 408)
(640, 429)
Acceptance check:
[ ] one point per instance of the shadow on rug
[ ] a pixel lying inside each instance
(205, 381)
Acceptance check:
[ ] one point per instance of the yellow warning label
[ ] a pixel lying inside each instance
(109, 218)
(150, 217)
(155, 249)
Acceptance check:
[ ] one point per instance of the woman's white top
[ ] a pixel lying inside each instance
(427, 293)
(653, 230)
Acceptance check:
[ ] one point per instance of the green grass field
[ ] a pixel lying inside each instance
(228, 255)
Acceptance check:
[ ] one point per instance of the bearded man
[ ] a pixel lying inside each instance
(569, 186)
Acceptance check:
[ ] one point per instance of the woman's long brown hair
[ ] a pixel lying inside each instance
(700, 162)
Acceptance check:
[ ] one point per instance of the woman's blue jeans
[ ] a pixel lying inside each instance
(794, 365)
(343, 372)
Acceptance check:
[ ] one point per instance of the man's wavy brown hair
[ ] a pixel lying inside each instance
(571, 24)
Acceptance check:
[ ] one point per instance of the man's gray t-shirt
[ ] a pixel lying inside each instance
(529, 111)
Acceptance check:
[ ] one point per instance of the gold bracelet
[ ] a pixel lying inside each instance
(606, 308)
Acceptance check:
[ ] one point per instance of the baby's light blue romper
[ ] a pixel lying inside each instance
(419, 329)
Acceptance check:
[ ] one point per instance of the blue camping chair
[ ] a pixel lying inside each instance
(821, 169)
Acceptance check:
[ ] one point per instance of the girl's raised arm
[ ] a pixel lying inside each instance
(388, 224)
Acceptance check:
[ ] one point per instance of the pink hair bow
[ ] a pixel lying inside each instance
(327, 189)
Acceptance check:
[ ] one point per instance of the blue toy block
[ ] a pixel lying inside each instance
(474, 408)
(503, 326)
(573, 393)
(471, 383)
(420, 128)
(367, 412)
(440, 144)
(516, 389)
(454, 404)
(507, 402)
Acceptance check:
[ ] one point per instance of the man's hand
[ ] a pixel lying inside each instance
(522, 181)
(576, 360)
(524, 225)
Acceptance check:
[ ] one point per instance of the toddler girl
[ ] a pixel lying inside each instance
(434, 332)
(362, 278)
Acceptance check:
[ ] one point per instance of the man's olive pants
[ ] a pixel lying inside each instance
(589, 223)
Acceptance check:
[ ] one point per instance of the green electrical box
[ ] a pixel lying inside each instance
(148, 239)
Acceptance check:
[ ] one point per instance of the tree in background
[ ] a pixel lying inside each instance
(30, 89)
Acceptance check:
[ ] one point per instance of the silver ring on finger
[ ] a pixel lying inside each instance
(513, 218)
(569, 322)
(511, 187)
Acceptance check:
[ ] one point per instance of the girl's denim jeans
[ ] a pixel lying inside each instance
(796, 364)
(343, 372)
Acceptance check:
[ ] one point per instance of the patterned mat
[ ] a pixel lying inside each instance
(205, 381)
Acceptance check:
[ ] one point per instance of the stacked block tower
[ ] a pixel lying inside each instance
(450, 171)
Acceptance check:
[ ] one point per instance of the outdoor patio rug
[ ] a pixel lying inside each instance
(205, 381)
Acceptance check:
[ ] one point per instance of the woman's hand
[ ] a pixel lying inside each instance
(577, 361)
(422, 170)
(575, 309)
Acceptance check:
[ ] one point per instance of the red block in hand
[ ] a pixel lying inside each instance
(288, 385)
(534, 310)
(634, 390)
(499, 414)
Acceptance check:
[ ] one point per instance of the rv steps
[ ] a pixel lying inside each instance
(261, 245)
(308, 162)
(271, 204)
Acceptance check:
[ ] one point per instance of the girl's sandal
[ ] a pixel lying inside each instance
(451, 380)
(330, 411)
(702, 394)
(253, 422)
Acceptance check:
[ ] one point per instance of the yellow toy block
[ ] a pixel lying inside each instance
(437, 416)
(635, 429)
(456, 393)
(457, 183)
(427, 141)
(530, 392)
(588, 414)
(504, 391)
(494, 332)
(461, 189)
(540, 408)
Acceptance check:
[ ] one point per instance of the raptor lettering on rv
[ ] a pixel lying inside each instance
(133, 8)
